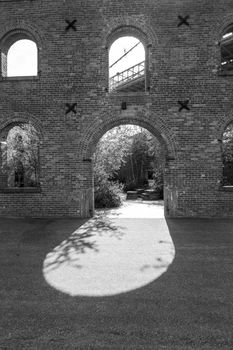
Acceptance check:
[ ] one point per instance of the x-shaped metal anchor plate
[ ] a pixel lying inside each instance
(71, 108)
(184, 105)
(183, 20)
(71, 25)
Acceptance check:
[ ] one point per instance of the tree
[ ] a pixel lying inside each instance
(227, 155)
(227, 143)
(21, 156)
(144, 159)
(126, 147)
(112, 150)
(110, 154)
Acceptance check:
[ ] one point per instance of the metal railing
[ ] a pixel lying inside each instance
(127, 75)
(226, 45)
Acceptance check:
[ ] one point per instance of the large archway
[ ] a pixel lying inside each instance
(113, 255)
(155, 127)
(128, 169)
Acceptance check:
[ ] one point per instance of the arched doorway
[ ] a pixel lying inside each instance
(128, 170)
(158, 130)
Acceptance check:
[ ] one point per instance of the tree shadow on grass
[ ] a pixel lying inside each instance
(188, 307)
(81, 241)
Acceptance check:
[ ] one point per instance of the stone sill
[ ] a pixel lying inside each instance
(129, 93)
(225, 73)
(21, 78)
(226, 188)
(21, 190)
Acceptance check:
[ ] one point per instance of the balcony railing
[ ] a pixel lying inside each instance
(127, 75)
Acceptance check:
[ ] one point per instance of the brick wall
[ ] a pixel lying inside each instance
(182, 64)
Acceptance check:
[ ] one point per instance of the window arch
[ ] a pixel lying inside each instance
(19, 156)
(19, 54)
(227, 155)
(226, 45)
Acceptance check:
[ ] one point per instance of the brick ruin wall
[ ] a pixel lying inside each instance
(182, 63)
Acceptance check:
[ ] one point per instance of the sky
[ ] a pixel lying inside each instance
(119, 47)
(22, 56)
(22, 59)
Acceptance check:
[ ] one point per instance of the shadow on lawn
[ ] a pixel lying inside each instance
(80, 241)
(188, 307)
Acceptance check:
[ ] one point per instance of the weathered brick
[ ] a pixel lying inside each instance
(73, 65)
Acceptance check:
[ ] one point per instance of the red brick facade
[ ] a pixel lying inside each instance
(182, 64)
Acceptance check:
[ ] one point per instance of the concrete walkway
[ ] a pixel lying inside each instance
(136, 209)
(189, 305)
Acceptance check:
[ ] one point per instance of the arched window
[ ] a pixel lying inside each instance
(19, 55)
(127, 65)
(19, 156)
(22, 59)
(226, 45)
(227, 155)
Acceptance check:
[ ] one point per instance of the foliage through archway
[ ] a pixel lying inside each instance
(20, 157)
(127, 157)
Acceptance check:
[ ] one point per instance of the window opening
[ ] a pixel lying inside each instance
(226, 45)
(22, 59)
(127, 65)
(20, 157)
(227, 155)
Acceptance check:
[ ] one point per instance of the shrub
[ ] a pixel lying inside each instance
(158, 181)
(130, 186)
(108, 194)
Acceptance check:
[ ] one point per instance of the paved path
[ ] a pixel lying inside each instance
(188, 307)
(136, 209)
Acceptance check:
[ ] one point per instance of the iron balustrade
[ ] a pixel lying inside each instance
(226, 45)
(127, 75)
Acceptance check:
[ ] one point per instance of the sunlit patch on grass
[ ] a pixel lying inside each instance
(108, 256)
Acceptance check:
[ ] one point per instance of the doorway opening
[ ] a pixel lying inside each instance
(129, 170)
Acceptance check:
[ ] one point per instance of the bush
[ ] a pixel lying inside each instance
(130, 186)
(158, 181)
(134, 185)
(108, 194)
